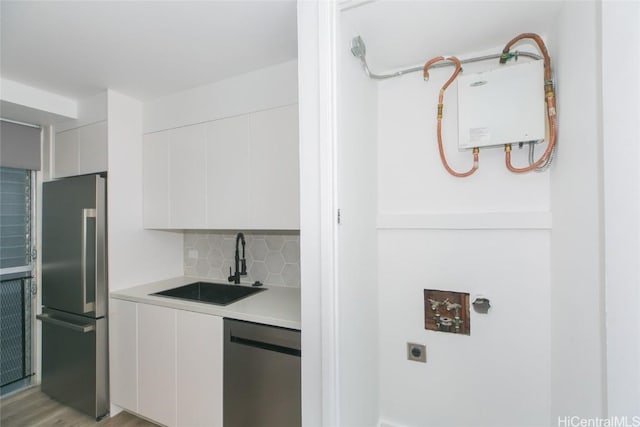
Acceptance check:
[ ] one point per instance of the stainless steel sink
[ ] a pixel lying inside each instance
(210, 293)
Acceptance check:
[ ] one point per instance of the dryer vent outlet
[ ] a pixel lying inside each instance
(416, 352)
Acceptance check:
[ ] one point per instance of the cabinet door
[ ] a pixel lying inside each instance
(187, 177)
(155, 180)
(92, 141)
(228, 173)
(273, 165)
(123, 353)
(200, 341)
(157, 363)
(65, 154)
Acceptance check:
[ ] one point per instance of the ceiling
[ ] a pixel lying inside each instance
(406, 33)
(145, 49)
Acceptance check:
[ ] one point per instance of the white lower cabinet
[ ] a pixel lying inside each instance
(200, 340)
(123, 353)
(167, 364)
(157, 363)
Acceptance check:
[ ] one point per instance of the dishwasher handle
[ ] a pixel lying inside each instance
(265, 346)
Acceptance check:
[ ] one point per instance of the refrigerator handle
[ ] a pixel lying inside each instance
(86, 214)
(77, 328)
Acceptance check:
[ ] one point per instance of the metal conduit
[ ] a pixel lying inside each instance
(359, 50)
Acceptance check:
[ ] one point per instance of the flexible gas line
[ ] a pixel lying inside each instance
(546, 164)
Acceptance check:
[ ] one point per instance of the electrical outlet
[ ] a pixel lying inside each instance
(416, 352)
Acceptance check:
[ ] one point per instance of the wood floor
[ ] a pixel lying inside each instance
(32, 408)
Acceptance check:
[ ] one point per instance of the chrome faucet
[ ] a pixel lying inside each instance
(240, 263)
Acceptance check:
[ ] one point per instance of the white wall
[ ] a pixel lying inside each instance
(529, 242)
(621, 132)
(357, 294)
(497, 376)
(269, 87)
(533, 244)
(577, 301)
(500, 373)
(411, 177)
(90, 110)
(136, 256)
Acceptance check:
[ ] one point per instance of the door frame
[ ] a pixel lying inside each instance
(318, 201)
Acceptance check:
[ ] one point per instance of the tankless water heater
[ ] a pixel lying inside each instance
(501, 106)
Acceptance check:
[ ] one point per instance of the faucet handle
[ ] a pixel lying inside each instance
(453, 306)
(231, 277)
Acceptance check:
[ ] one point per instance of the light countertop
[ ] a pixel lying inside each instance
(277, 306)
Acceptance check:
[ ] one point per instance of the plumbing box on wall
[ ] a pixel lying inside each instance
(501, 106)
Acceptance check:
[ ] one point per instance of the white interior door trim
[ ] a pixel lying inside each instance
(318, 239)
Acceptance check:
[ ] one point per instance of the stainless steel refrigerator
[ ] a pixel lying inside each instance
(74, 293)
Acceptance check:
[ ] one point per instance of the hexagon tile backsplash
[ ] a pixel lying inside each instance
(273, 259)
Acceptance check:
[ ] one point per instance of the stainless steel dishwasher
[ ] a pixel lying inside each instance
(261, 375)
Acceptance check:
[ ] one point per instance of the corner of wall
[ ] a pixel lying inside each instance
(15, 94)
(621, 118)
(577, 333)
(48, 133)
(136, 255)
(92, 109)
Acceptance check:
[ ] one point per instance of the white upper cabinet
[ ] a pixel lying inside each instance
(80, 150)
(234, 173)
(65, 154)
(187, 177)
(92, 144)
(155, 179)
(228, 173)
(274, 185)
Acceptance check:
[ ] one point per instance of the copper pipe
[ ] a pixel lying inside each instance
(428, 64)
(541, 46)
(455, 73)
(550, 101)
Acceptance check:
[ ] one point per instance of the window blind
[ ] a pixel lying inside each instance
(19, 146)
(15, 217)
